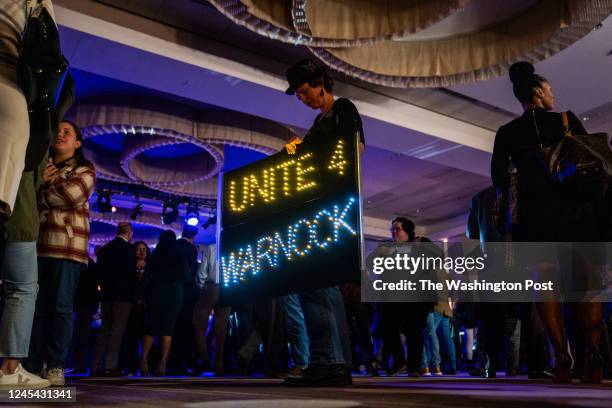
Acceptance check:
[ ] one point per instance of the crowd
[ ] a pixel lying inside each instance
(160, 311)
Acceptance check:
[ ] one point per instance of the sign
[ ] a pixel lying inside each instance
(291, 223)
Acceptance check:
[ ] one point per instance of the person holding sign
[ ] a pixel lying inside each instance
(323, 308)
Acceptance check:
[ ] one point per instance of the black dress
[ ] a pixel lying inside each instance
(545, 213)
(162, 289)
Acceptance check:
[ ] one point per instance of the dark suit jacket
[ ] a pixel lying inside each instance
(189, 253)
(117, 271)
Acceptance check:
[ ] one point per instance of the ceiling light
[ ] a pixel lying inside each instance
(169, 213)
(192, 215)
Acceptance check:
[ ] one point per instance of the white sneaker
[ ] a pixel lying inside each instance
(21, 378)
(56, 377)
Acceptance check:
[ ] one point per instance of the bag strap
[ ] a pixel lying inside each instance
(566, 128)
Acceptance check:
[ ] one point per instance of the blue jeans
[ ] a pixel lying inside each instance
(326, 326)
(438, 325)
(19, 275)
(296, 330)
(58, 280)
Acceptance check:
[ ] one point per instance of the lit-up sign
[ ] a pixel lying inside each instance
(291, 223)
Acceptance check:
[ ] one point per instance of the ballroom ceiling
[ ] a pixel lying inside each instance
(428, 148)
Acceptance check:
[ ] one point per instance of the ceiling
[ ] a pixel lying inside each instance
(428, 173)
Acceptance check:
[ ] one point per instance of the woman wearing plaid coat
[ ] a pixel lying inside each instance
(63, 204)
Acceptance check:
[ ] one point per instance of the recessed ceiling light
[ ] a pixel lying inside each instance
(585, 118)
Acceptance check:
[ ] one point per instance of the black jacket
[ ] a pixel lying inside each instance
(189, 253)
(117, 271)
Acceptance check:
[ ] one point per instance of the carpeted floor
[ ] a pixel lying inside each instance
(397, 392)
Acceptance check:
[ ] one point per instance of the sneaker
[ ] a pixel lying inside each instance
(425, 371)
(56, 377)
(21, 378)
(437, 371)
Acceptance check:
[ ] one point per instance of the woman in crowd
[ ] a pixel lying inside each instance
(19, 274)
(63, 204)
(545, 213)
(161, 295)
(13, 109)
(324, 313)
(142, 254)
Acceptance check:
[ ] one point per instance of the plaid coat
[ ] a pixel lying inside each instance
(63, 205)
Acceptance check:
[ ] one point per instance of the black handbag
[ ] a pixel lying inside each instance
(579, 163)
(43, 77)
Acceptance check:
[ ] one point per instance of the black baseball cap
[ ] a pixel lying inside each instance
(302, 72)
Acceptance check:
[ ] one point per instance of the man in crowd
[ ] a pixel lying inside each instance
(118, 280)
(208, 301)
(180, 356)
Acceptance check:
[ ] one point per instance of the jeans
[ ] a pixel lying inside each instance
(115, 316)
(296, 330)
(326, 326)
(19, 275)
(52, 328)
(438, 325)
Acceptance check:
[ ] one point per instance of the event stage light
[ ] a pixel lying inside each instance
(104, 202)
(136, 211)
(192, 215)
(169, 213)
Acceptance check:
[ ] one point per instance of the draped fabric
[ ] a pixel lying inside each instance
(148, 124)
(422, 43)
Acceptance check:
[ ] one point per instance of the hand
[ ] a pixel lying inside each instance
(291, 146)
(141, 305)
(50, 172)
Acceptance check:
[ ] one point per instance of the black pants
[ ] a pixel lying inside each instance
(537, 348)
(81, 339)
(129, 357)
(183, 340)
(407, 318)
(359, 318)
